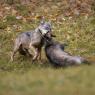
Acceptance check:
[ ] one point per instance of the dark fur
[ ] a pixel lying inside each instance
(58, 57)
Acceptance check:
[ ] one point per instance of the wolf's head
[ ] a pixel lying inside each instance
(46, 28)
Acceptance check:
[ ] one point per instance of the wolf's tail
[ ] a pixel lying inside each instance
(87, 61)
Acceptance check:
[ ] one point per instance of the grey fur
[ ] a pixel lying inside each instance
(58, 57)
(32, 40)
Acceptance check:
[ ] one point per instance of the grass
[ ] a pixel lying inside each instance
(21, 77)
(48, 81)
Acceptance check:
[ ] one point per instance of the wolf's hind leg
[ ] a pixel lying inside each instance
(16, 48)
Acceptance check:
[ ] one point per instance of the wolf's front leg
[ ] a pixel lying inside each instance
(39, 53)
(36, 54)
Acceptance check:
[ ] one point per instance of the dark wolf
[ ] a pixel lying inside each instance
(58, 57)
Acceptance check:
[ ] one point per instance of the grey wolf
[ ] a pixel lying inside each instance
(32, 40)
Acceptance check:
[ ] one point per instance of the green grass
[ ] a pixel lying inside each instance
(48, 81)
(22, 77)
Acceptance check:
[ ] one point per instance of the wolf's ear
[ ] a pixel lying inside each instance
(53, 35)
(50, 22)
(42, 21)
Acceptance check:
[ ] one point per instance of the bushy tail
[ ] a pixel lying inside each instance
(87, 61)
